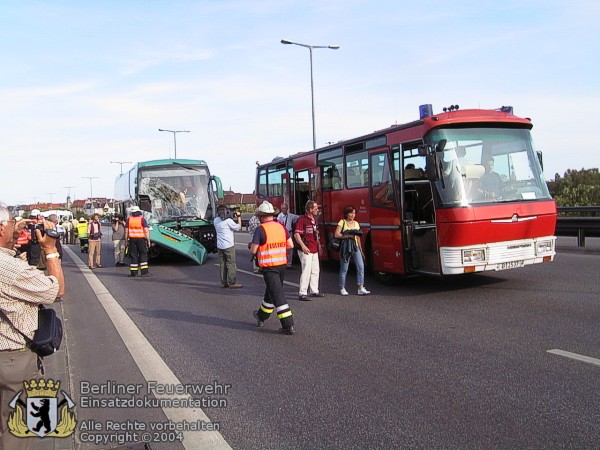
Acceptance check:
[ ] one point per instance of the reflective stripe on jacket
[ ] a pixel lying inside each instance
(273, 252)
(136, 230)
(24, 237)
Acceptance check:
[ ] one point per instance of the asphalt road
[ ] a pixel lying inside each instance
(462, 362)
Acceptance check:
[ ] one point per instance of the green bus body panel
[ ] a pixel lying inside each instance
(178, 243)
(168, 162)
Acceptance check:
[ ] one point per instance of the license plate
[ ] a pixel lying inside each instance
(510, 265)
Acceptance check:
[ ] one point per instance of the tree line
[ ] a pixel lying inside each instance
(576, 188)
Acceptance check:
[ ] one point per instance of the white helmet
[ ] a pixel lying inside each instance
(266, 209)
(35, 213)
(134, 209)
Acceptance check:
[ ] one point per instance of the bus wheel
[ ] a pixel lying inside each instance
(387, 279)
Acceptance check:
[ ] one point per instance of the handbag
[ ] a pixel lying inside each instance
(335, 243)
(47, 338)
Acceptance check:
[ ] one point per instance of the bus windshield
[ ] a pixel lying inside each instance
(176, 192)
(482, 165)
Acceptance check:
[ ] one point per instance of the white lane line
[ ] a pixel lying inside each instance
(151, 365)
(587, 359)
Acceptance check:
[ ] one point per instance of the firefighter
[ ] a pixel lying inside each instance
(82, 234)
(269, 245)
(137, 235)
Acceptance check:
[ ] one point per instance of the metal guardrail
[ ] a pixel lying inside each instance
(580, 226)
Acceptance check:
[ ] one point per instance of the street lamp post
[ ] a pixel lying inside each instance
(174, 138)
(121, 162)
(91, 178)
(312, 94)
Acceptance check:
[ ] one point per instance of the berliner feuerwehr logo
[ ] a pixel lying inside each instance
(38, 415)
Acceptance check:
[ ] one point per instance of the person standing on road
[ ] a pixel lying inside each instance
(67, 226)
(118, 238)
(82, 235)
(137, 235)
(307, 237)
(22, 289)
(269, 245)
(288, 220)
(74, 225)
(95, 242)
(225, 226)
(253, 224)
(348, 231)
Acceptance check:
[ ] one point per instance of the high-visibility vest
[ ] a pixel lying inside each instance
(24, 238)
(136, 230)
(82, 230)
(273, 252)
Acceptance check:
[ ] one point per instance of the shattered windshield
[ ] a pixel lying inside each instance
(482, 165)
(177, 192)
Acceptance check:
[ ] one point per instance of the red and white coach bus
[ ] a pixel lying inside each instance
(428, 199)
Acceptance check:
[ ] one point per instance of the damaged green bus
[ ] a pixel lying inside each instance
(178, 199)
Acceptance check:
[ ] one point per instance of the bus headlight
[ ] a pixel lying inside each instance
(473, 255)
(542, 247)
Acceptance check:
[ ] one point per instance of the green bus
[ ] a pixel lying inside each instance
(178, 199)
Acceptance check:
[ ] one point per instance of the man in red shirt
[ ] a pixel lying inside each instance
(307, 237)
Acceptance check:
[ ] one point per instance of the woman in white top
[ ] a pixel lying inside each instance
(348, 230)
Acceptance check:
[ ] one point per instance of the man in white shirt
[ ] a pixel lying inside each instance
(225, 226)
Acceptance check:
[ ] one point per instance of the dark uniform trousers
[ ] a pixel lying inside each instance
(138, 252)
(274, 298)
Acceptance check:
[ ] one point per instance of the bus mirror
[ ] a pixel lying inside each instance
(540, 159)
(145, 203)
(430, 168)
(441, 145)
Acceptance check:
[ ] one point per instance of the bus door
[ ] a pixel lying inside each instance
(301, 191)
(286, 190)
(316, 193)
(385, 245)
(418, 214)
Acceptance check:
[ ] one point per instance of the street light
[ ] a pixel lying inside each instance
(91, 178)
(312, 94)
(121, 162)
(174, 137)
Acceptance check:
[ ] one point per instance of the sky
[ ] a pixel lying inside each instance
(87, 84)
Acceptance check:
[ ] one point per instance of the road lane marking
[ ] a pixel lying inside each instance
(587, 359)
(150, 363)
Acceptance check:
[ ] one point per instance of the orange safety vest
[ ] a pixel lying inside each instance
(24, 237)
(134, 225)
(273, 252)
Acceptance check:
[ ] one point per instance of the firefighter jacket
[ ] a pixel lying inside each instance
(82, 230)
(273, 252)
(24, 237)
(135, 225)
